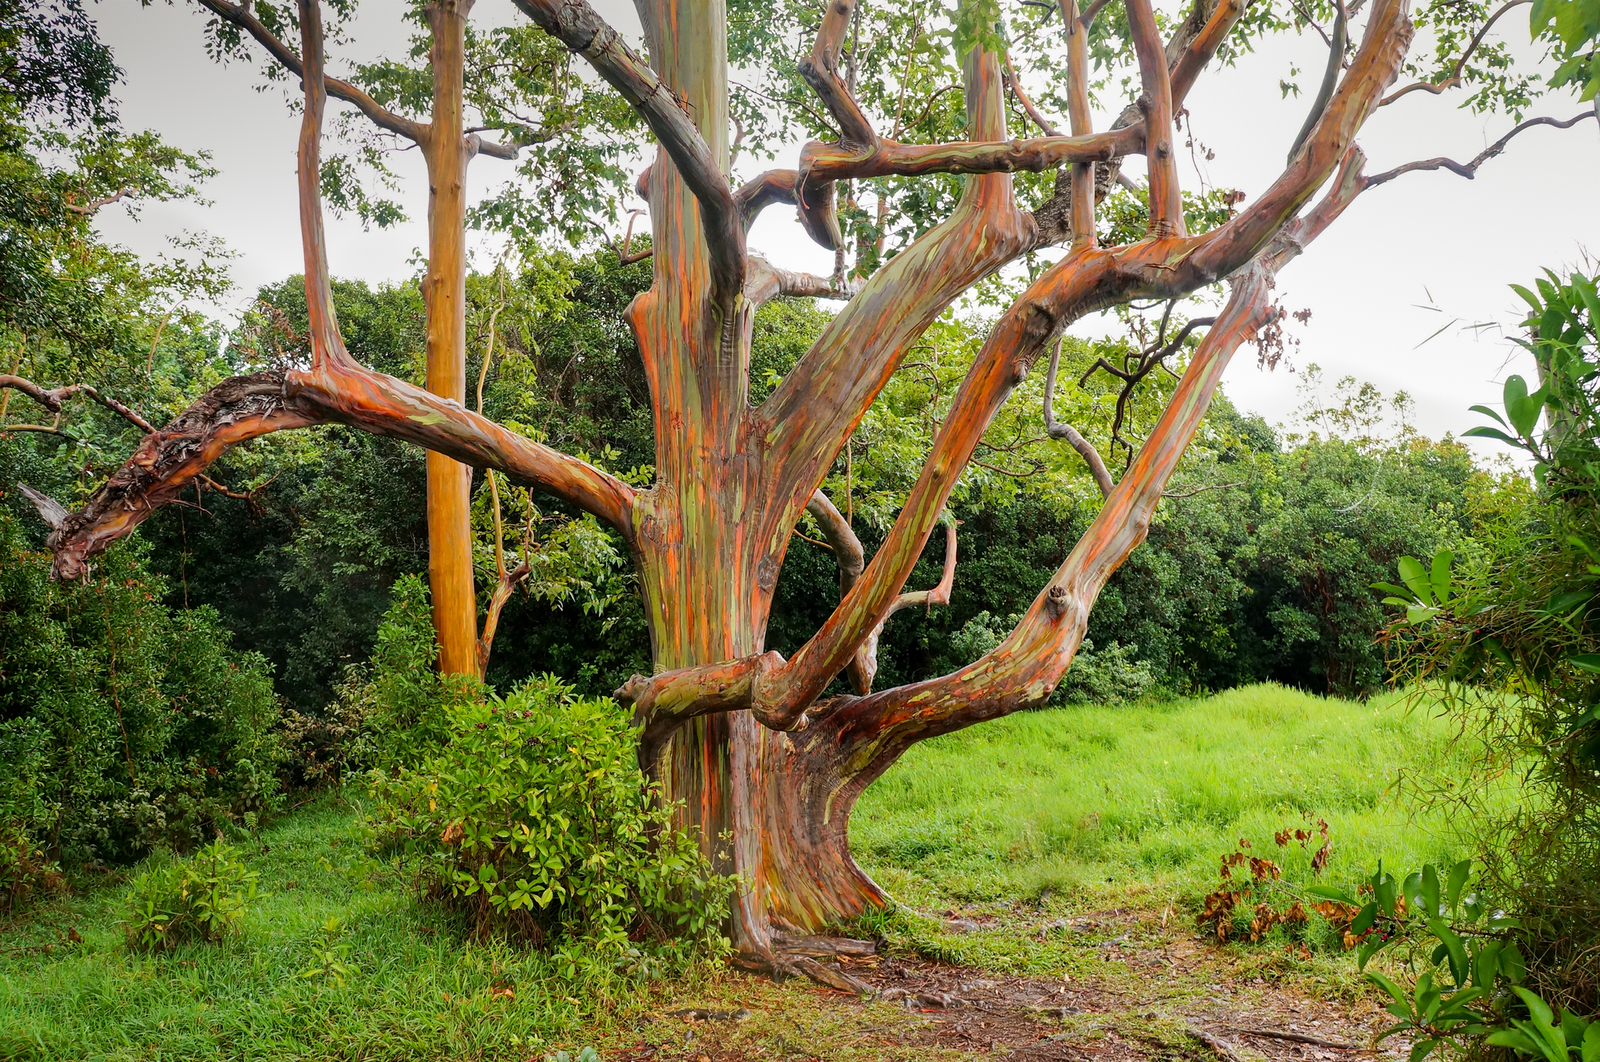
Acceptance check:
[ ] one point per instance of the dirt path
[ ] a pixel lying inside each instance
(1133, 987)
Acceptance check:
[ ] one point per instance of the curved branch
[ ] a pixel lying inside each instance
(1059, 430)
(1469, 170)
(1028, 107)
(240, 15)
(575, 24)
(1436, 87)
(52, 399)
(1082, 282)
(246, 407)
(770, 187)
(821, 71)
(1024, 669)
(850, 557)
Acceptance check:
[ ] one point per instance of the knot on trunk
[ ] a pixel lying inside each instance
(1055, 602)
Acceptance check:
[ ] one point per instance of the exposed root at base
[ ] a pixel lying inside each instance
(797, 957)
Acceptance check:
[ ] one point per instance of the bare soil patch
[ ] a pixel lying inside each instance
(1153, 990)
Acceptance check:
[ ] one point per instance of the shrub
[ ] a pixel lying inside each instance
(535, 823)
(1507, 638)
(123, 724)
(177, 902)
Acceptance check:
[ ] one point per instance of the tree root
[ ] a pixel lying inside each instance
(797, 956)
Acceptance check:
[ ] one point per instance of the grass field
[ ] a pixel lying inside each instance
(1096, 804)
(1066, 808)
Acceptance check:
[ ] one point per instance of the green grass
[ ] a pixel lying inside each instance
(1090, 804)
(419, 991)
(1098, 804)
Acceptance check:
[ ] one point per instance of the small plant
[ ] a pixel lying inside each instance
(589, 1054)
(329, 956)
(535, 822)
(182, 901)
(24, 870)
(1251, 905)
(1468, 972)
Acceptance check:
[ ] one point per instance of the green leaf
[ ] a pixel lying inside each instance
(1483, 432)
(1589, 662)
(1390, 987)
(1458, 881)
(1422, 1049)
(1527, 296)
(1383, 891)
(1430, 891)
(1440, 575)
(1563, 603)
(1538, 1008)
(1453, 945)
(1415, 576)
(1515, 1040)
(1591, 1043)
(1486, 411)
(1328, 892)
(1522, 408)
(1364, 919)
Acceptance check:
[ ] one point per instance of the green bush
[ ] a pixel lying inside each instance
(1506, 638)
(124, 724)
(535, 823)
(175, 902)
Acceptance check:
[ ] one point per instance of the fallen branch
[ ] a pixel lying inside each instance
(1295, 1037)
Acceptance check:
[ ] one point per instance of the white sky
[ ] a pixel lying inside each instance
(1426, 238)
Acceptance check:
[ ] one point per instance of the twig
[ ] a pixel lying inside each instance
(1295, 1037)
(1216, 1043)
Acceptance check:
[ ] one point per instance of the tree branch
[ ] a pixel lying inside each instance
(1081, 283)
(95, 204)
(770, 187)
(1058, 430)
(1330, 76)
(246, 407)
(1166, 203)
(1436, 87)
(1024, 669)
(327, 346)
(1027, 104)
(1080, 184)
(239, 14)
(766, 281)
(821, 71)
(850, 557)
(575, 24)
(52, 399)
(1469, 170)
(816, 407)
(821, 162)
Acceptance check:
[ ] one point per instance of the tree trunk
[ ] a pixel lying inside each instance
(455, 612)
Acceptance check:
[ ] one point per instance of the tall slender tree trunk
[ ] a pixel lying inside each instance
(444, 288)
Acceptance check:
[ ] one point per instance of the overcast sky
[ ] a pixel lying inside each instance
(1425, 252)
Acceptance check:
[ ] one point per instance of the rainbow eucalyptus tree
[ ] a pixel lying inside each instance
(763, 759)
